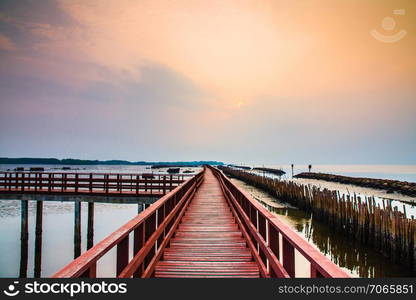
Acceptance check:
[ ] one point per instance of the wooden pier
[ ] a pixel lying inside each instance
(205, 227)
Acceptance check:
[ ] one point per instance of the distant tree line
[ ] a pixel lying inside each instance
(72, 161)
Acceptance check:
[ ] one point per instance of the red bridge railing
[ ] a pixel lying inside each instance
(263, 231)
(151, 230)
(97, 183)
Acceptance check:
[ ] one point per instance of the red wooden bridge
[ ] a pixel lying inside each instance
(205, 227)
(100, 184)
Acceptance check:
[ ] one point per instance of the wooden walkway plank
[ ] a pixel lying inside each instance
(208, 242)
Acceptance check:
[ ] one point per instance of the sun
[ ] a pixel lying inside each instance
(240, 103)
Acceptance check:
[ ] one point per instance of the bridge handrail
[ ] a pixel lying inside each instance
(78, 182)
(98, 173)
(267, 229)
(251, 235)
(143, 227)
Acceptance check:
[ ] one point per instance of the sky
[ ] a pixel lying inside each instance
(258, 82)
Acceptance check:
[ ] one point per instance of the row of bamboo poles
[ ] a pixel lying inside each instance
(386, 229)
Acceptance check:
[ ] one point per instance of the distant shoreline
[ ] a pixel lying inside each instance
(74, 162)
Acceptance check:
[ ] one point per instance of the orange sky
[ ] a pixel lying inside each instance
(270, 62)
(243, 49)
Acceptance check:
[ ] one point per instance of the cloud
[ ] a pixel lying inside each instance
(6, 44)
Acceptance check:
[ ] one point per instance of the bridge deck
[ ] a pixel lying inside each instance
(208, 242)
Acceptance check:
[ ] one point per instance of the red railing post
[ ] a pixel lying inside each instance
(138, 242)
(273, 240)
(23, 182)
(49, 182)
(137, 184)
(76, 182)
(106, 178)
(91, 182)
(91, 272)
(288, 257)
(315, 273)
(150, 227)
(122, 254)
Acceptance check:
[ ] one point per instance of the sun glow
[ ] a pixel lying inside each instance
(240, 103)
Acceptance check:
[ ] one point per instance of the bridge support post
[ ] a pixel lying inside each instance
(77, 229)
(24, 237)
(38, 240)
